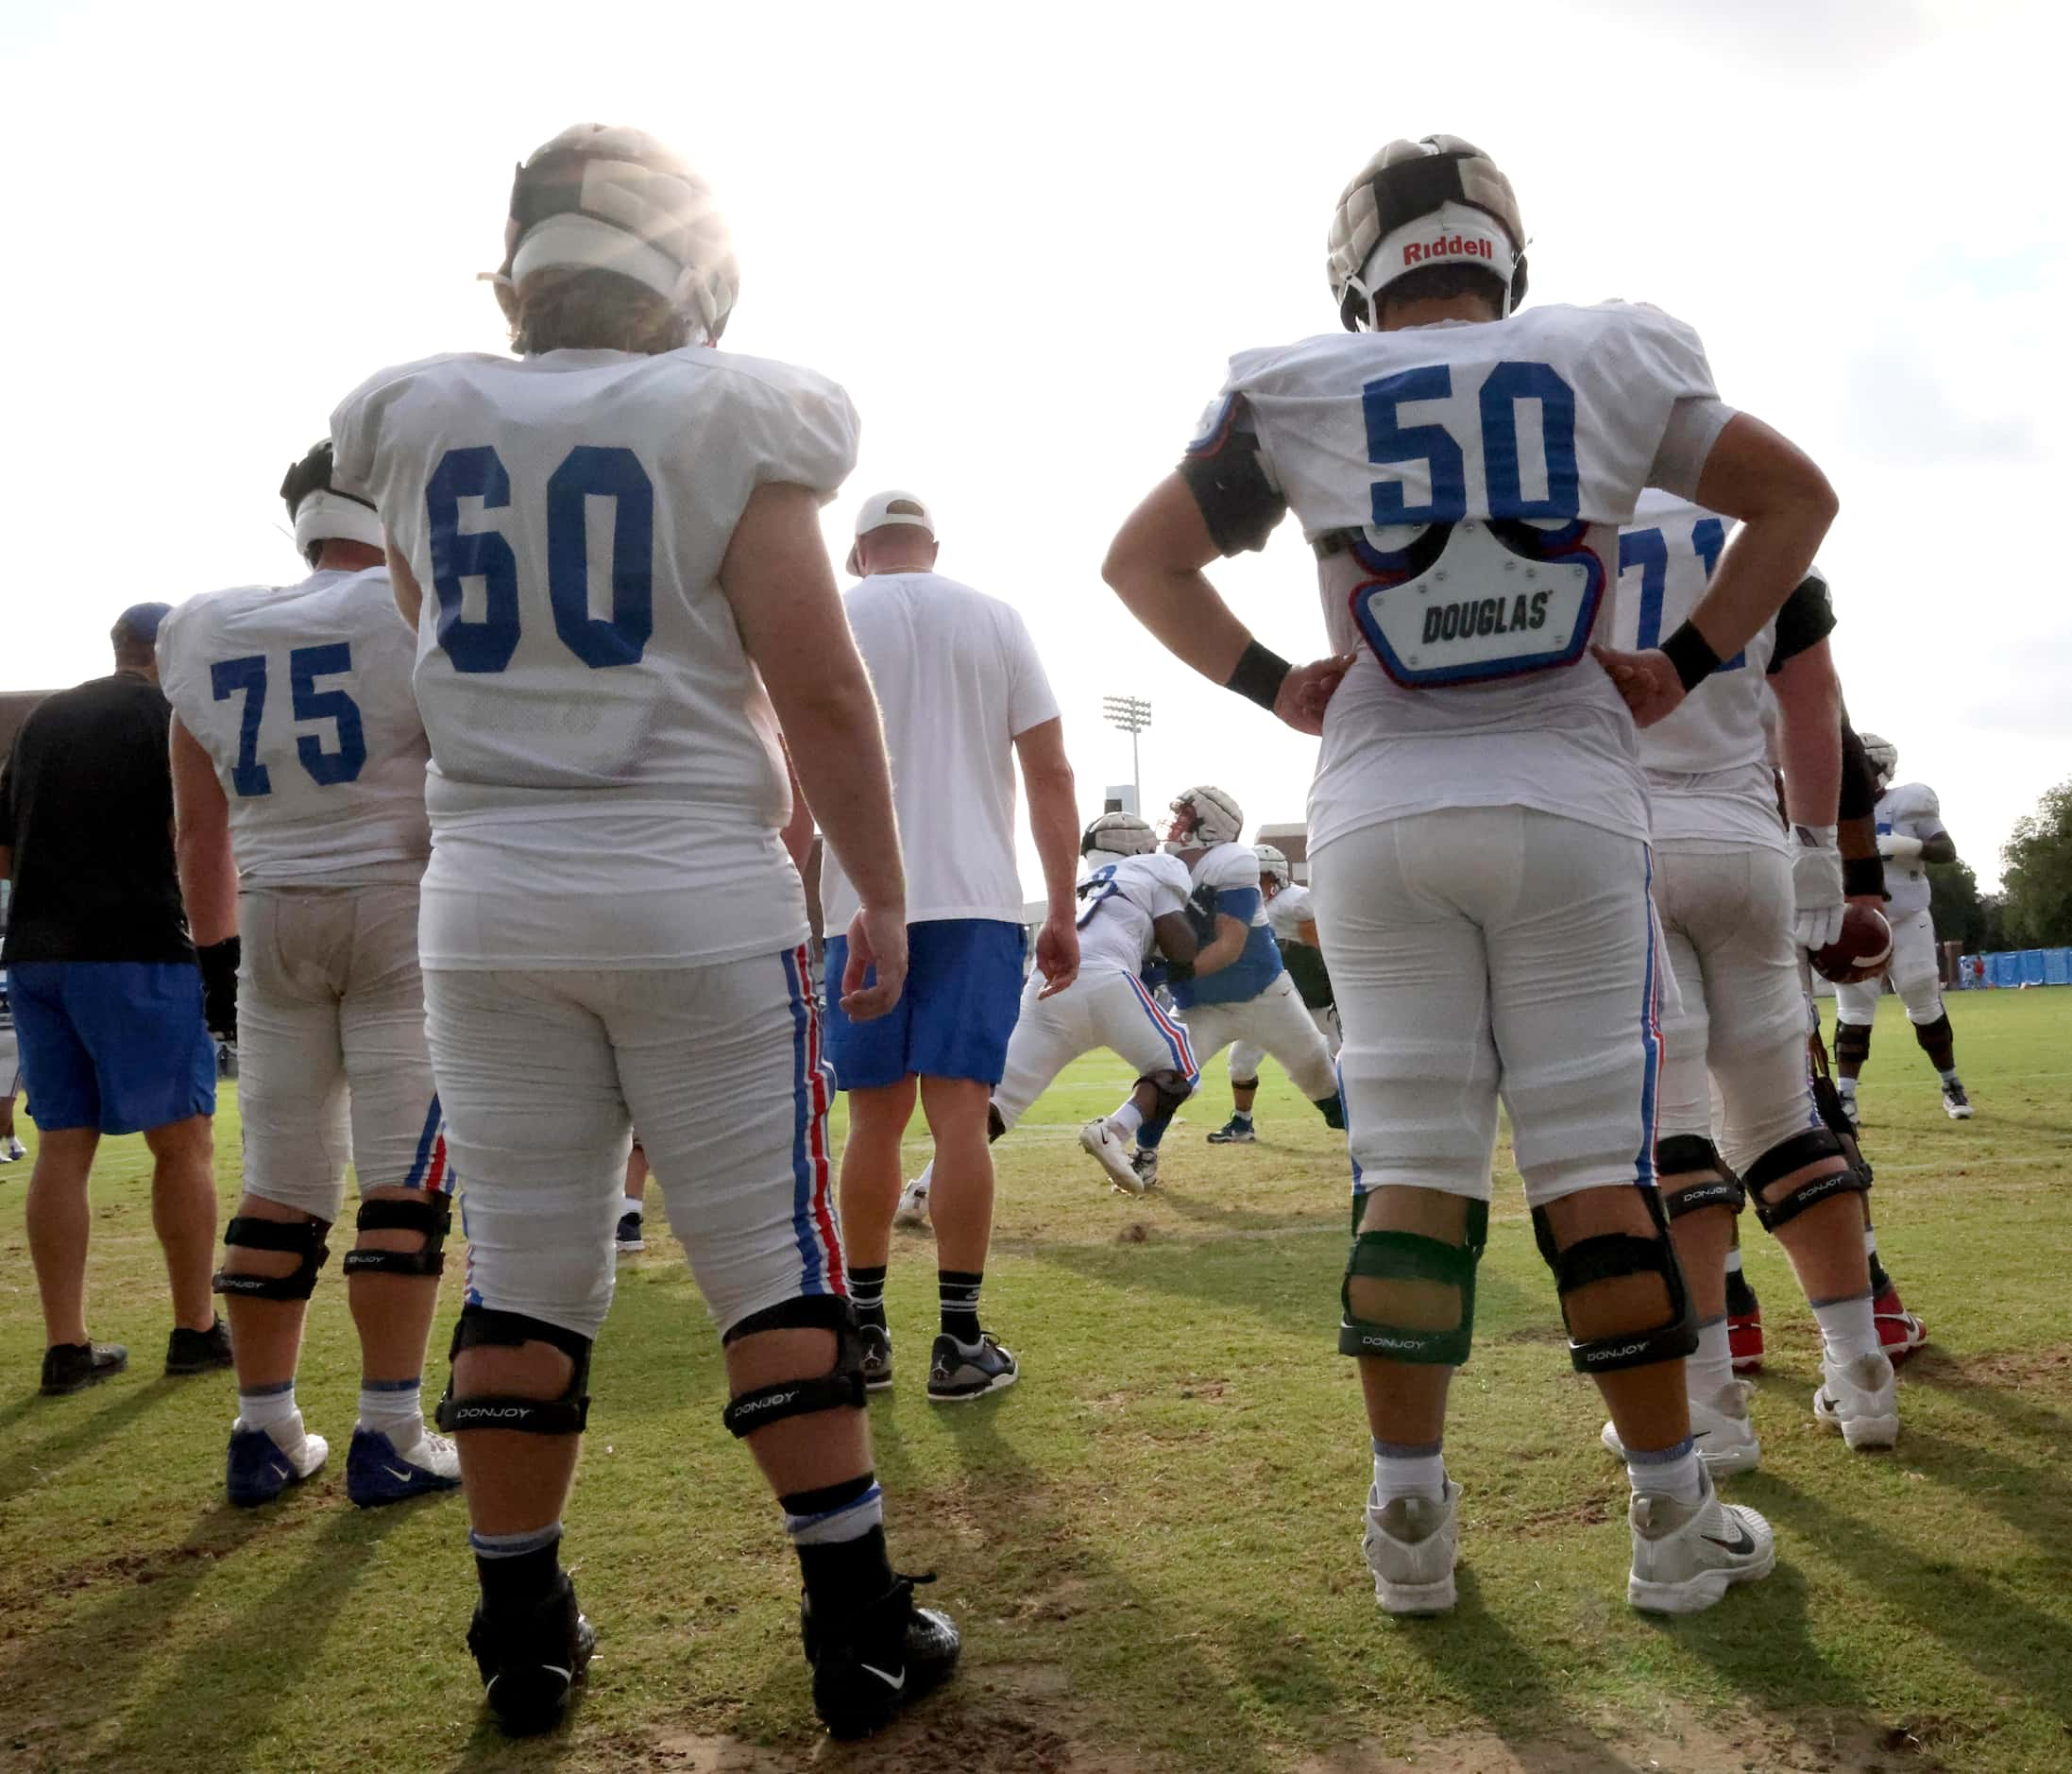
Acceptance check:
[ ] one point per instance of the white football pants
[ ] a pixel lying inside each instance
(1484, 952)
(1276, 1022)
(1103, 1009)
(1912, 973)
(1245, 1056)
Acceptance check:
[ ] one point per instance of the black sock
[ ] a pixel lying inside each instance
(1881, 1281)
(957, 1289)
(519, 1581)
(867, 1294)
(1740, 1297)
(843, 1578)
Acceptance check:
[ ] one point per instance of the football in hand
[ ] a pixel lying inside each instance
(1861, 952)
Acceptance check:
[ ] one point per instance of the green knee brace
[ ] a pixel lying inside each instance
(1412, 1257)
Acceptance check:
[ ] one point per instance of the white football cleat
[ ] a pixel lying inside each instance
(1955, 1105)
(13, 1151)
(1722, 1429)
(913, 1203)
(1687, 1556)
(1410, 1546)
(1860, 1399)
(1106, 1147)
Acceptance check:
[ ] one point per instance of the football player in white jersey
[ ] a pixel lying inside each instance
(1478, 824)
(1294, 925)
(1133, 900)
(298, 781)
(1911, 835)
(609, 546)
(1239, 991)
(1742, 898)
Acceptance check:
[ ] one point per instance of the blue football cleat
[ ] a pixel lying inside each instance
(377, 1473)
(261, 1464)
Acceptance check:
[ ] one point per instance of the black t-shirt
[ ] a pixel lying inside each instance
(86, 807)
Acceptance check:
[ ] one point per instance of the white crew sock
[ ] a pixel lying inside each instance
(1847, 1329)
(266, 1406)
(1402, 1471)
(1676, 1471)
(632, 1204)
(394, 1408)
(1847, 1088)
(1709, 1370)
(1126, 1119)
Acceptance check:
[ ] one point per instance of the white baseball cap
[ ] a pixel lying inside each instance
(877, 513)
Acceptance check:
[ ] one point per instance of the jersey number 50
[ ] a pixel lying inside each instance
(588, 471)
(1432, 446)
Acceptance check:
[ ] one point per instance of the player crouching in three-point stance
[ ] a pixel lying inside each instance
(1134, 898)
(1479, 822)
(1740, 897)
(617, 538)
(1294, 924)
(300, 825)
(1238, 990)
(1911, 834)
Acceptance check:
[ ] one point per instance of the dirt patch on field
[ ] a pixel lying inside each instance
(1680, 1743)
(2046, 1370)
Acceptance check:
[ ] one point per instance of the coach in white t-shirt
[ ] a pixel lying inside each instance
(963, 694)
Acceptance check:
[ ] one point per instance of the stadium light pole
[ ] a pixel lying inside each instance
(1132, 714)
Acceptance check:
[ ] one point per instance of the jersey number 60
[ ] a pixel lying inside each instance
(588, 471)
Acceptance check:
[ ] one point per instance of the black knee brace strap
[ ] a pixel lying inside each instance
(1688, 1155)
(305, 1237)
(566, 1415)
(1827, 1100)
(995, 1125)
(1606, 1259)
(431, 1213)
(1794, 1154)
(1173, 1089)
(839, 1388)
(1412, 1257)
(1852, 1043)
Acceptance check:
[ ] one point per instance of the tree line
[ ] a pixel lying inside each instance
(2033, 908)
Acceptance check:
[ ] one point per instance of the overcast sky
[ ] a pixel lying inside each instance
(1027, 240)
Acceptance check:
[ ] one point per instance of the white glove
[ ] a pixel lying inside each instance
(1816, 886)
(1895, 847)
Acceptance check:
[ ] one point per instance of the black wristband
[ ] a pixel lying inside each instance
(1259, 674)
(1864, 877)
(1180, 972)
(1692, 656)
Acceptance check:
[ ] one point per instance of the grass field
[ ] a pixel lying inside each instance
(1152, 1542)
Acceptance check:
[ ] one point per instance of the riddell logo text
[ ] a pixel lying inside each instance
(1447, 247)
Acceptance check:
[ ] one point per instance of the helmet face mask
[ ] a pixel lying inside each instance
(1203, 817)
(1273, 864)
(1884, 758)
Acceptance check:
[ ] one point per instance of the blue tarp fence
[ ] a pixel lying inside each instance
(2015, 967)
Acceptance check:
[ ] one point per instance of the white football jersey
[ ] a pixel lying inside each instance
(1912, 811)
(1708, 764)
(301, 695)
(607, 787)
(1287, 911)
(1117, 904)
(1473, 684)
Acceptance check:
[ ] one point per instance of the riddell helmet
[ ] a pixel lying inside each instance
(1119, 834)
(1273, 866)
(321, 512)
(1884, 756)
(615, 199)
(1203, 816)
(1438, 200)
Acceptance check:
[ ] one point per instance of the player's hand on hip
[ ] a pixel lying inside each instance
(1057, 954)
(878, 946)
(1307, 690)
(1647, 681)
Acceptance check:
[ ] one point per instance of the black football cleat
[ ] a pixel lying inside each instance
(531, 1658)
(883, 1658)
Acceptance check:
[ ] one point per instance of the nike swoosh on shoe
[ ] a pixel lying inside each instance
(895, 1684)
(1741, 1548)
(400, 1477)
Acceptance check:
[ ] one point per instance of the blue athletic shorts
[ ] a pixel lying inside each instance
(117, 1045)
(964, 991)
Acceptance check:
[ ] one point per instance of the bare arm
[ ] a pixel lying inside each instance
(1306, 933)
(1155, 567)
(1175, 936)
(1809, 735)
(201, 824)
(1785, 504)
(1225, 948)
(778, 579)
(408, 593)
(1054, 823)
